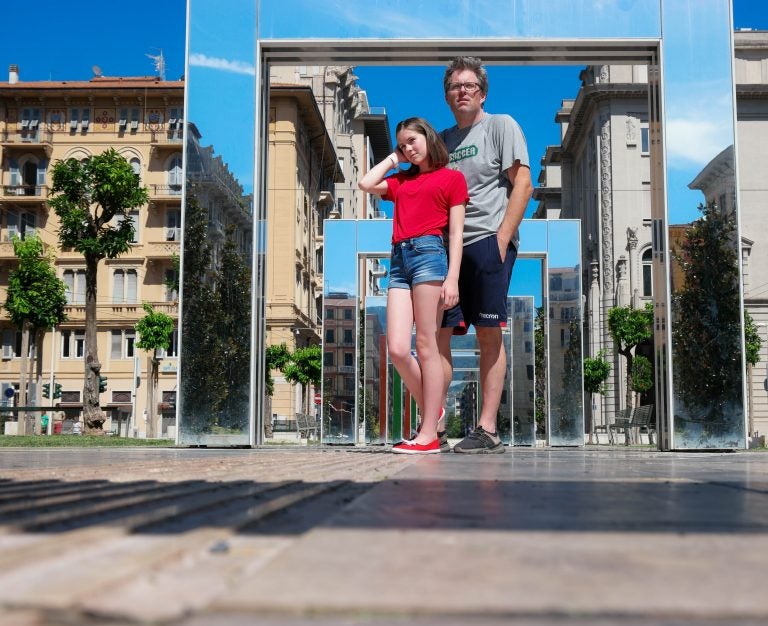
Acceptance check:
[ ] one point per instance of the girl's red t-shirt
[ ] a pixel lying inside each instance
(422, 202)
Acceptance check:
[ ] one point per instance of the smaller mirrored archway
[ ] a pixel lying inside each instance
(363, 398)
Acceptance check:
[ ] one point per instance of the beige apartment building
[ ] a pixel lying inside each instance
(42, 122)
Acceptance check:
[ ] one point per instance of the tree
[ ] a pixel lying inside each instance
(630, 327)
(155, 330)
(752, 340)
(202, 381)
(233, 291)
(36, 299)
(305, 368)
(540, 366)
(642, 374)
(596, 372)
(93, 200)
(706, 330)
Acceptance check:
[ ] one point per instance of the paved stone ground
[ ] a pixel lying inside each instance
(352, 537)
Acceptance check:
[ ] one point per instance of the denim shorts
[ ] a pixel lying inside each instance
(417, 260)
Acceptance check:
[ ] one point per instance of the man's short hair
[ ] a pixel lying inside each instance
(473, 64)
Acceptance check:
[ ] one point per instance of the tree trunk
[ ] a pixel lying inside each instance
(151, 386)
(93, 417)
(22, 417)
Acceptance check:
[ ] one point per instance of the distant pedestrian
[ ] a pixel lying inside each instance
(44, 419)
(423, 277)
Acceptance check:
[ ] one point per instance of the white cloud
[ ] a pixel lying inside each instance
(225, 65)
(695, 141)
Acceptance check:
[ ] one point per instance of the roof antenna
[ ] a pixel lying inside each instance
(96, 71)
(159, 63)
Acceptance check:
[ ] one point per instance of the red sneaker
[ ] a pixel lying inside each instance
(409, 447)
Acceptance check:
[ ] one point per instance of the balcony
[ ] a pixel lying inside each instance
(76, 311)
(166, 191)
(168, 140)
(29, 140)
(21, 194)
(155, 250)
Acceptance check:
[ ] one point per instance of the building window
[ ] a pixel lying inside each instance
(12, 344)
(72, 344)
(171, 285)
(74, 280)
(134, 215)
(129, 118)
(347, 314)
(30, 122)
(81, 117)
(20, 225)
(123, 342)
(330, 336)
(348, 338)
(349, 359)
(328, 359)
(528, 347)
(175, 175)
(648, 273)
(136, 167)
(329, 313)
(124, 286)
(172, 351)
(173, 225)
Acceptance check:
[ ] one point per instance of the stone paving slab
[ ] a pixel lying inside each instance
(349, 537)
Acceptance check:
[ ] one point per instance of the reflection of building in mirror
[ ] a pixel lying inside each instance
(600, 174)
(322, 134)
(339, 368)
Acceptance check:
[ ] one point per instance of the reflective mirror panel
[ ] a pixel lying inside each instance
(452, 19)
(376, 412)
(523, 370)
(217, 254)
(704, 242)
(564, 304)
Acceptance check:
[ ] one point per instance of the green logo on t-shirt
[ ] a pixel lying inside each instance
(465, 152)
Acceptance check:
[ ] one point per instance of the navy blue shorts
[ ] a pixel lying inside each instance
(417, 260)
(483, 286)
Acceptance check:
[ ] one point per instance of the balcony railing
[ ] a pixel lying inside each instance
(27, 137)
(166, 190)
(19, 192)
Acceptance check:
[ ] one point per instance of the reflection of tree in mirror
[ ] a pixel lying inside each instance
(707, 332)
(540, 346)
(596, 372)
(203, 385)
(233, 288)
(567, 405)
(630, 327)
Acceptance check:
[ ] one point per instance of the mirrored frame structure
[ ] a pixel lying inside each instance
(699, 402)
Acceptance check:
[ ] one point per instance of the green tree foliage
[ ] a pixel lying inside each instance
(630, 327)
(203, 388)
(596, 372)
(642, 374)
(706, 329)
(93, 200)
(752, 340)
(155, 330)
(275, 358)
(540, 347)
(36, 299)
(566, 407)
(233, 291)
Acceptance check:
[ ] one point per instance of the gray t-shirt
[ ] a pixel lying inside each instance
(483, 153)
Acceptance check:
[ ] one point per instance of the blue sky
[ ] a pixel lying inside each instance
(69, 43)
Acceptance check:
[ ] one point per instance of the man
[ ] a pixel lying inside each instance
(492, 153)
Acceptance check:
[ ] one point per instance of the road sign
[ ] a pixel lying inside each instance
(10, 392)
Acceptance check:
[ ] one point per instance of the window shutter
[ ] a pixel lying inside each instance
(12, 222)
(131, 286)
(8, 341)
(15, 176)
(41, 168)
(80, 287)
(118, 287)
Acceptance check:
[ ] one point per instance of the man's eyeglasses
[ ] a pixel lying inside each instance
(470, 88)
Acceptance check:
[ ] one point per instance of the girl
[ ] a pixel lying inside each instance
(429, 200)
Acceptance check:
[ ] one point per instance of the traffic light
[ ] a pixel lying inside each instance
(46, 390)
(102, 384)
(57, 390)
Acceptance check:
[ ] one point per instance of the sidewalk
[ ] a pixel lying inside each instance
(342, 537)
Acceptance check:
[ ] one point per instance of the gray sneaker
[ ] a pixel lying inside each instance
(480, 442)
